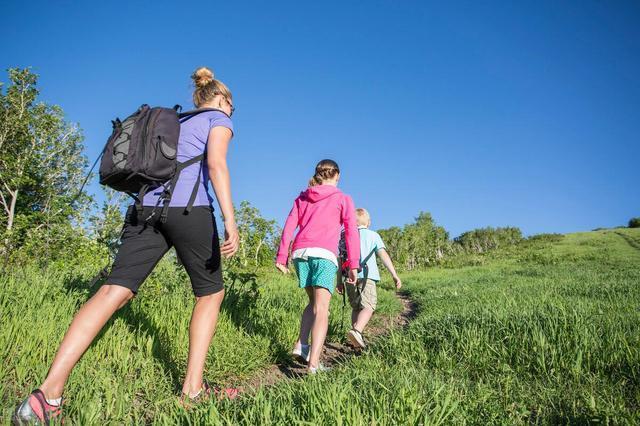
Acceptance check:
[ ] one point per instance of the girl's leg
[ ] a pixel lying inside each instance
(321, 300)
(83, 329)
(306, 322)
(201, 329)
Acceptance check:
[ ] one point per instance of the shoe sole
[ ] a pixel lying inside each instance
(301, 359)
(354, 341)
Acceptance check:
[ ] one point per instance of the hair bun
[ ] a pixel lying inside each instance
(202, 76)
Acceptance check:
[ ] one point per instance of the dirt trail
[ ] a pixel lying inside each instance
(629, 241)
(334, 352)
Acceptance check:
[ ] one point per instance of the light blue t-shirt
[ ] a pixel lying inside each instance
(369, 241)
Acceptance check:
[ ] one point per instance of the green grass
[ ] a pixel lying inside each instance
(134, 368)
(542, 333)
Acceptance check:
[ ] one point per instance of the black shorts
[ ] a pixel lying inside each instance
(193, 235)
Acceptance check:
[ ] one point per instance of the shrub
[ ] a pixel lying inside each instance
(634, 222)
(547, 238)
(485, 239)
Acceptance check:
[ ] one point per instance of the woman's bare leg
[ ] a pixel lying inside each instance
(86, 325)
(321, 300)
(201, 330)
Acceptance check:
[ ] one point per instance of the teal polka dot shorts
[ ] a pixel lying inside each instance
(316, 272)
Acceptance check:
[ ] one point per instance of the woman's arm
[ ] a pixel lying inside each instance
(217, 147)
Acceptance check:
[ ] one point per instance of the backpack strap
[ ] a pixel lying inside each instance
(194, 192)
(365, 269)
(140, 197)
(168, 190)
(137, 198)
(366, 259)
(184, 116)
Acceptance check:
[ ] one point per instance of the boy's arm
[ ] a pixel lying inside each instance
(386, 261)
(287, 234)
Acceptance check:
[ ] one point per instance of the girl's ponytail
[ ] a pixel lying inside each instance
(325, 170)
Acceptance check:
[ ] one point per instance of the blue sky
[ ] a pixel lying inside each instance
(483, 113)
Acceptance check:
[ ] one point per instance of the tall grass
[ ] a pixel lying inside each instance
(135, 366)
(544, 332)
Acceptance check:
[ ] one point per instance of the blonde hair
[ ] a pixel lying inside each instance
(325, 170)
(207, 87)
(362, 217)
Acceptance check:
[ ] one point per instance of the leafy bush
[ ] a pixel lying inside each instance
(548, 238)
(634, 222)
(485, 239)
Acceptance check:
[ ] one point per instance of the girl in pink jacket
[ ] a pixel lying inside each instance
(320, 212)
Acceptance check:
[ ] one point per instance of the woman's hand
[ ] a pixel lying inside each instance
(282, 268)
(231, 239)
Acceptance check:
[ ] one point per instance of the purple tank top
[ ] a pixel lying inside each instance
(192, 142)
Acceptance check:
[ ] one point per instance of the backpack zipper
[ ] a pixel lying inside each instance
(150, 122)
(144, 136)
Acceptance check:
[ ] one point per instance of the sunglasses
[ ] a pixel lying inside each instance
(233, 109)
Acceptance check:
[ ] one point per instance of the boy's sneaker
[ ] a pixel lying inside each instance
(302, 353)
(319, 369)
(36, 409)
(356, 339)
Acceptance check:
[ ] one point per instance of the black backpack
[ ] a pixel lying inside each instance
(141, 154)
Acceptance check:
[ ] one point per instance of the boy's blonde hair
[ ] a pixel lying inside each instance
(362, 217)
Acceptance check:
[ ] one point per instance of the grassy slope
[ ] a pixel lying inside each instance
(135, 367)
(543, 333)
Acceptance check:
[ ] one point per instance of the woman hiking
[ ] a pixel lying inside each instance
(194, 237)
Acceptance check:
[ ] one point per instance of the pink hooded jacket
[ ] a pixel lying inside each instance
(320, 212)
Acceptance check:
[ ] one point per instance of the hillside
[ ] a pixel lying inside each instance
(542, 332)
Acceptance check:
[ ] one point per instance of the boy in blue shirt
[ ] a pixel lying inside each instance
(363, 297)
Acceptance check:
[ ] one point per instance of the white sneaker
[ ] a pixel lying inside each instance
(302, 353)
(356, 339)
(319, 369)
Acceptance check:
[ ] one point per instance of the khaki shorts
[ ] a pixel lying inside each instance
(369, 295)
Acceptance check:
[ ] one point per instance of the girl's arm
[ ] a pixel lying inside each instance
(287, 234)
(386, 261)
(217, 147)
(351, 237)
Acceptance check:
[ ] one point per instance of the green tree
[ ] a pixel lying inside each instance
(419, 244)
(258, 237)
(634, 222)
(106, 226)
(41, 167)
